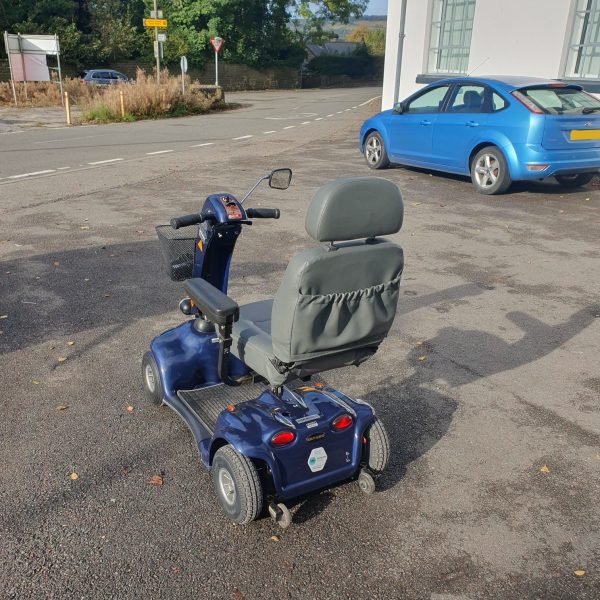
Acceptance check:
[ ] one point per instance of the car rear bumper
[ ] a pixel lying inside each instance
(558, 162)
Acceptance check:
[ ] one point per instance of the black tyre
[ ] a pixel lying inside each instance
(237, 484)
(374, 151)
(576, 180)
(152, 387)
(489, 171)
(378, 449)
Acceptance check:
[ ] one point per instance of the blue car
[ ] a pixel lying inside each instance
(497, 130)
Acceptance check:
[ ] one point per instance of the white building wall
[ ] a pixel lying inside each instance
(510, 37)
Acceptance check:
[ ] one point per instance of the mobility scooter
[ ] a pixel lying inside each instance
(245, 378)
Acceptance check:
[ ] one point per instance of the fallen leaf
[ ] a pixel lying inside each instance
(86, 279)
(3, 316)
(70, 343)
(56, 263)
(587, 199)
(545, 469)
(275, 538)
(419, 344)
(155, 480)
(416, 203)
(561, 211)
(422, 358)
(62, 407)
(107, 295)
(579, 573)
(84, 227)
(35, 382)
(130, 409)
(74, 476)
(237, 595)
(61, 359)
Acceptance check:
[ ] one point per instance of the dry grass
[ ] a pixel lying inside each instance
(143, 98)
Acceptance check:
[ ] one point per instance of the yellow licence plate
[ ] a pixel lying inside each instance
(585, 134)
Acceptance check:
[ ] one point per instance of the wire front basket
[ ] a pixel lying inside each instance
(177, 247)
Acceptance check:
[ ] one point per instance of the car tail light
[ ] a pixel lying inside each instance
(528, 103)
(342, 422)
(283, 438)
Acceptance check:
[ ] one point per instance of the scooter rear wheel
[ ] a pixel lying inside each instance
(237, 484)
(151, 379)
(378, 448)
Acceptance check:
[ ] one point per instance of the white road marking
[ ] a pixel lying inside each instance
(370, 100)
(242, 137)
(355, 107)
(62, 168)
(290, 127)
(31, 174)
(153, 153)
(103, 162)
(331, 115)
(204, 144)
(347, 109)
(305, 123)
(339, 112)
(319, 119)
(272, 131)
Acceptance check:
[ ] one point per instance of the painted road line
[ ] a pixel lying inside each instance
(151, 153)
(103, 162)
(305, 123)
(31, 174)
(200, 145)
(242, 137)
(266, 132)
(331, 115)
(347, 109)
(319, 119)
(62, 168)
(290, 127)
(370, 100)
(339, 112)
(355, 107)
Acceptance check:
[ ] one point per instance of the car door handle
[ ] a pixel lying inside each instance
(425, 122)
(472, 124)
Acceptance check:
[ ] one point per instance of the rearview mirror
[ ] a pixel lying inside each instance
(280, 179)
(399, 108)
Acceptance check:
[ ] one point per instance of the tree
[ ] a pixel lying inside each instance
(373, 39)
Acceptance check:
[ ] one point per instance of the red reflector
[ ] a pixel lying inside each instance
(342, 422)
(283, 438)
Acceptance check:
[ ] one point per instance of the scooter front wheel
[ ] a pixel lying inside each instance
(151, 379)
(237, 484)
(378, 453)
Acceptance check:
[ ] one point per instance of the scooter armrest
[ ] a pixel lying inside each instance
(218, 307)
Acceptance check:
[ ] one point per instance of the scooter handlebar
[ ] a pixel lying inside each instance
(263, 213)
(195, 219)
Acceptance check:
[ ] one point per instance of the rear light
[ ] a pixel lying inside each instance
(342, 422)
(537, 167)
(283, 438)
(528, 103)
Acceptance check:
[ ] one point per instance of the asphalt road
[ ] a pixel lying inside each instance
(489, 382)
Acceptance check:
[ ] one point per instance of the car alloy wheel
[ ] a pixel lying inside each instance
(373, 150)
(487, 170)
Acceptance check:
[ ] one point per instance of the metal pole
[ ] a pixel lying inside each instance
(157, 47)
(12, 79)
(59, 71)
(401, 37)
(216, 69)
(23, 64)
(122, 104)
(68, 108)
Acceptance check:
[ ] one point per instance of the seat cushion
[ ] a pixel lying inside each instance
(251, 336)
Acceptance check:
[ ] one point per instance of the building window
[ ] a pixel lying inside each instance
(450, 36)
(583, 55)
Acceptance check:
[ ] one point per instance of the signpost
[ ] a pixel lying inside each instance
(184, 67)
(217, 44)
(157, 21)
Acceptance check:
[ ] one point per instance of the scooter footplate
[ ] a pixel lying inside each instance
(207, 403)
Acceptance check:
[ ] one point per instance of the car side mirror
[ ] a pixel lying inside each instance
(399, 108)
(280, 179)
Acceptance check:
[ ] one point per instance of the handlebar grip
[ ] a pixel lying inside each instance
(263, 213)
(177, 222)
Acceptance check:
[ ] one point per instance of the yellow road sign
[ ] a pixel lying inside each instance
(155, 23)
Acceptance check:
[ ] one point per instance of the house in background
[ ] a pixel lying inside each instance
(428, 40)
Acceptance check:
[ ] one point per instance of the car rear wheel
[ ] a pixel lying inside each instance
(575, 180)
(375, 153)
(489, 171)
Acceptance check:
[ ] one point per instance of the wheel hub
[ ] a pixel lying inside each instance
(150, 382)
(227, 486)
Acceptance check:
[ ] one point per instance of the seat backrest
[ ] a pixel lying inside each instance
(472, 101)
(341, 299)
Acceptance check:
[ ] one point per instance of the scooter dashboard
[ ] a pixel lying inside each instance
(225, 208)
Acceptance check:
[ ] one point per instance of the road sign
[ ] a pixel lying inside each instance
(162, 23)
(162, 37)
(217, 43)
(184, 64)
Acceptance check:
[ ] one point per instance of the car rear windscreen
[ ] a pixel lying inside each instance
(562, 100)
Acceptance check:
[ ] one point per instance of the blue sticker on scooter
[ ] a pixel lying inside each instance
(317, 459)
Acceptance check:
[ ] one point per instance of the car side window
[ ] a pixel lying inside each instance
(468, 99)
(498, 102)
(429, 102)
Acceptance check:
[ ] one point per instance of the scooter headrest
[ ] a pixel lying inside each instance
(354, 208)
